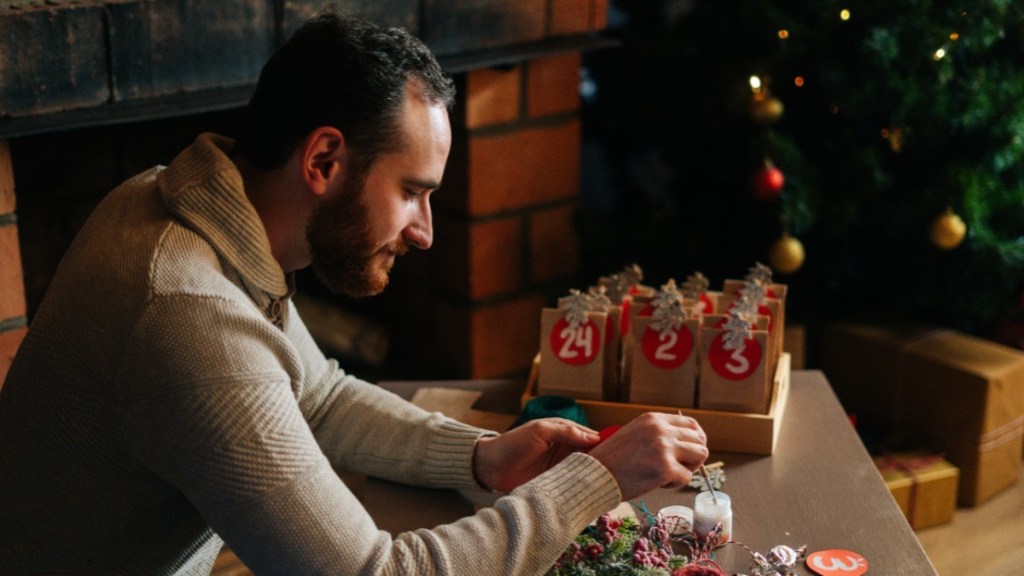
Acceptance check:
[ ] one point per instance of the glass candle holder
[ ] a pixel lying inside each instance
(678, 519)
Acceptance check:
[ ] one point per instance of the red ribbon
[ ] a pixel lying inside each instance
(910, 467)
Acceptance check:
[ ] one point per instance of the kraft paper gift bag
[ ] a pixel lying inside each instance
(734, 373)
(572, 355)
(665, 363)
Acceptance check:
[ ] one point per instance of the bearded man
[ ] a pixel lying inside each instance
(168, 398)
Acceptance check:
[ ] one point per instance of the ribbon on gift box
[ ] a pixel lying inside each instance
(910, 467)
(1006, 433)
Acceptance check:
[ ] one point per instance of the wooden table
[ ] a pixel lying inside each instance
(819, 488)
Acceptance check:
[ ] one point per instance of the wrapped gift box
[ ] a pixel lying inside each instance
(964, 396)
(951, 392)
(924, 486)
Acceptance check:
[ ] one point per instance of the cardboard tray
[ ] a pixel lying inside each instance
(727, 431)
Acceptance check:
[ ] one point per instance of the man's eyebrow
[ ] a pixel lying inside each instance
(421, 184)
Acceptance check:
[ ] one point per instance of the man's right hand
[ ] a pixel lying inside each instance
(653, 451)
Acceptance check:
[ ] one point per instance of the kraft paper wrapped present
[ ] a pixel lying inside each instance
(941, 389)
(964, 396)
(923, 485)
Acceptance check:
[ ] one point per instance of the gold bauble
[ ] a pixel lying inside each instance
(786, 254)
(765, 109)
(947, 230)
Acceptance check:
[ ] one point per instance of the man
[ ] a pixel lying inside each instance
(168, 396)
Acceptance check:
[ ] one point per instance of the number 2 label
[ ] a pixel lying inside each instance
(667, 350)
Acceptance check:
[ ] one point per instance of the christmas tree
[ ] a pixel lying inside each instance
(883, 141)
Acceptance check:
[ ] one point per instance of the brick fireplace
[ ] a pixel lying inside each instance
(93, 92)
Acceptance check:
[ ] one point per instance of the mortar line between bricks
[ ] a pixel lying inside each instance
(511, 213)
(560, 120)
(108, 48)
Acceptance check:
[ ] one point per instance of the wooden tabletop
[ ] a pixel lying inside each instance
(820, 488)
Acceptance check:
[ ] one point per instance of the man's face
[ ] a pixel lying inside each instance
(357, 232)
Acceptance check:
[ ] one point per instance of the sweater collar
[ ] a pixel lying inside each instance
(203, 188)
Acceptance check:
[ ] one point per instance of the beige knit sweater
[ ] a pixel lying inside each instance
(168, 395)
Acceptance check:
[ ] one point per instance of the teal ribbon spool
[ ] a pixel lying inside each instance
(552, 407)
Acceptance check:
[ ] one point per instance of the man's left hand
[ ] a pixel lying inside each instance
(517, 456)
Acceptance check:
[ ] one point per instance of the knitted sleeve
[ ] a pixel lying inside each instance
(364, 428)
(215, 413)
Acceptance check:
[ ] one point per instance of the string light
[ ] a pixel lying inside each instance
(755, 84)
(783, 34)
(939, 54)
(798, 81)
(894, 137)
(844, 14)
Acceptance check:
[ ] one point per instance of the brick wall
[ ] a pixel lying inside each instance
(505, 244)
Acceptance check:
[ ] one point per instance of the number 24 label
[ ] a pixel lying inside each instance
(576, 346)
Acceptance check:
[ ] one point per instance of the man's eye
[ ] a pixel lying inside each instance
(413, 193)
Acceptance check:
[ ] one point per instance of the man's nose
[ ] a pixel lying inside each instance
(420, 232)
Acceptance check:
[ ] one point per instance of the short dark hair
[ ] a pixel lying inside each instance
(344, 72)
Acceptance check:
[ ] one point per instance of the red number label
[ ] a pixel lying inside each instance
(734, 364)
(705, 305)
(576, 346)
(668, 350)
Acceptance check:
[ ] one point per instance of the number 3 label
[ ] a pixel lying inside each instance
(577, 346)
(667, 350)
(734, 364)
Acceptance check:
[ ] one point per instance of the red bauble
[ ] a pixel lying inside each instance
(767, 182)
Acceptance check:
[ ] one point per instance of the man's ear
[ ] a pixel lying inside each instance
(323, 155)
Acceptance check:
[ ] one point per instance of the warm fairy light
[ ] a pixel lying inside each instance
(783, 34)
(844, 14)
(939, 54)
(799, 81)
(954, 36)
(895, 138)
(755, 83)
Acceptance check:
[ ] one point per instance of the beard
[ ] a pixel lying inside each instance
(346, 258)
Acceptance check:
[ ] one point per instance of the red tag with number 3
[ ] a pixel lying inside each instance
(837, 563)
(734, 364)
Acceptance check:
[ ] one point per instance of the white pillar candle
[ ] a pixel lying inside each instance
(708, 511)
(677, 518)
